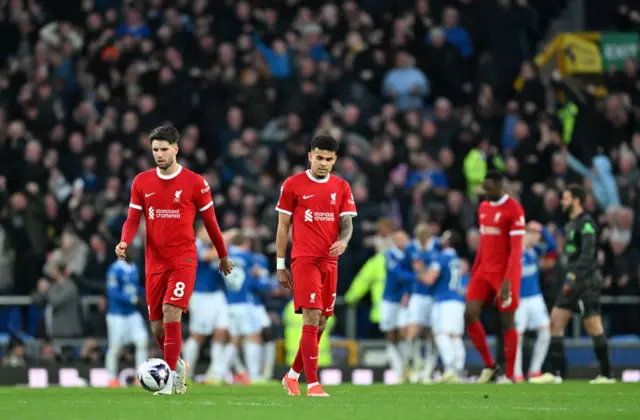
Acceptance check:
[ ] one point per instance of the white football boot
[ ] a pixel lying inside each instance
(169, 388)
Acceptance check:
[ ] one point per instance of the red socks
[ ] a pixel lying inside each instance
(479, 339)
(510, 350)
(172, 343)
(298, 363)
(309, 349)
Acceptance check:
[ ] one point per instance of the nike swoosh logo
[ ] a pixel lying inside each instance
(304, 197)
(175, 298)
(313, 358)
(149, 195)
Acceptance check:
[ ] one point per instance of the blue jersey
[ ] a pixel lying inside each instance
(530, 283)
(450, 284)
(416, 251)
(239, 282)
(208, 279)
(398, 277)
(260, 281)
(123, 288)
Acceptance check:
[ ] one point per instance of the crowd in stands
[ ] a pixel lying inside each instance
(418, 92)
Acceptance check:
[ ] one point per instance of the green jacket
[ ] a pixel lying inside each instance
(567, 114)
(370, 279)
(475, 167)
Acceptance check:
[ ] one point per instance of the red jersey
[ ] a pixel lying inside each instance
(315, 206)
(501, 223)
(169, 205)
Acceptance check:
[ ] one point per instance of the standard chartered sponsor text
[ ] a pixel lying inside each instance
(167, 214)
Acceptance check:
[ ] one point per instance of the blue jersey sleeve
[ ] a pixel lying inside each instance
(114, 289)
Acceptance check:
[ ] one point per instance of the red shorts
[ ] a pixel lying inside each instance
(486, 287)
(172, 287)
(314, 285)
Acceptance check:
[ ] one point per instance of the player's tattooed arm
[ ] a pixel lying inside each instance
(346, 228)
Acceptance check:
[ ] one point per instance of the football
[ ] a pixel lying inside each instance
(153, 374)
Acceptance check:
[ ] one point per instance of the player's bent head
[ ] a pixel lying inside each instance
(422, 231)
(493, 185)
(242, 240)
(322, 155)
(575, 192)
(451, 239)
(385, 226)
(400, 239)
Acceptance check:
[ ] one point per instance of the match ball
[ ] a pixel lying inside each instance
(153, 374)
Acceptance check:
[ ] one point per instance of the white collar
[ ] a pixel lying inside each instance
(501, 201)
(318, 180)
(166, 177)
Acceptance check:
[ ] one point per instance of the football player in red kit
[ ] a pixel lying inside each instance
(169, 197)
(496, 273)
(320, 207)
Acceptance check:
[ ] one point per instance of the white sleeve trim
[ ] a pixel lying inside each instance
(517, 232)
(207, 206)
(348, 213)
(135, 206)
(278, 209)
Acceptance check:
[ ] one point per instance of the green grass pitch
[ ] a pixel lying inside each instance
(572, 400)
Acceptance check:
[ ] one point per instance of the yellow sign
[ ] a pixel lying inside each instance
(578, 55)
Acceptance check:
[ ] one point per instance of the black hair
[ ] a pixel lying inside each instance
(324, 142)
(494, 176)
(454, 239)
(165, 133)
(577, 192)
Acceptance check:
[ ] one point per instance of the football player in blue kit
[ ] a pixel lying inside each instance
(420, 252)
(243, 326)
(532, 314)
(125, 324)
(448, 279)
(208, 312)
(397, 281)
(263, 282)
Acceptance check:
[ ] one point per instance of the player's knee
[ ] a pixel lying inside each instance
(311, 317)
(171, 313)
(471, 315)
(220, 336)
(593, 325)
(267, 334)
(507, 319)
(198, 338)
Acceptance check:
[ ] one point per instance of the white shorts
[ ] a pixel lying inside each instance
(420, 307)
(392, 316)
(261, 315)
(126, 329)
(242, 321)
(208, 312)
(448, 317)
(531, 314)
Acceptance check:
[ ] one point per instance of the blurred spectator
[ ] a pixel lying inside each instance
(406, 85)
